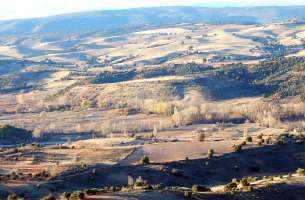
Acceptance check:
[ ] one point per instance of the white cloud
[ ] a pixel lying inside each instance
(36, 8)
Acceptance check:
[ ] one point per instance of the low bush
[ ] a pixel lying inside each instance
(66, 195)
(247, 181)
(49, 197)
(77, 196)
(260, 143)
(93, 191)
(260, 136)
(147, 187)
(281, 141)
(176, 172)
(300, 171)
(230, 187)
(12, 197)
(244, 182)
(188, 194)
(237, 148)
(144, 160)
(158, 186)
(142, 184)
(247, 188)
(268, 140)
(249, 139)
(210, 153)
(201, 137)
(93, 172)
(300, 142)
(200, 188)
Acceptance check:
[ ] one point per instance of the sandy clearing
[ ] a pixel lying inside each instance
(39, 45)
(299, 54)
(10, 52)
(173, 151)
(163, 30)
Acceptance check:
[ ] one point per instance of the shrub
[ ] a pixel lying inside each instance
(260, 136)
(93, 191)
(244, 182)
(188, 194)
(140, 182)
(77, 196)
(300, 142)
(175, 172)
(66, 195)
(249, 139)
(143, 184)
(201, 137)
(268, 140)
(230, 187)
(237, 148)
(93, 172)
(162, 169)
(234, 180)
(158, 186)
(281, 141)
(200, 188)
(111, 189)
(49, 197)
(260, 143)
(300, 171)
(147, 187)
(85, 104)
(210, 153)
(12, 197)
(247, 188)
(144, 160)
(84, 166)
(252, 179)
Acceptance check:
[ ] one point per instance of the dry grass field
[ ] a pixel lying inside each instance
(152, 45)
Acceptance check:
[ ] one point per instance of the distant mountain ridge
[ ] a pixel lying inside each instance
(114, 20)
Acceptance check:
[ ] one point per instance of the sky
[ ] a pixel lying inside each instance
(13, 9)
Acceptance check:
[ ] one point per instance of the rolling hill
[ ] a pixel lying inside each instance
(185, 98)
(122, 20)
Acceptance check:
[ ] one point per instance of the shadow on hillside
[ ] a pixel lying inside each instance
(282, 191)
(267, 160)
(224, 89)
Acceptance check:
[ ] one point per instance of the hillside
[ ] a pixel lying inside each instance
(123, 20)
(282, 77)
(12, 135)
(154, 103)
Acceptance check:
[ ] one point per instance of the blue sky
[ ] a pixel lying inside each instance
(11, 9)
